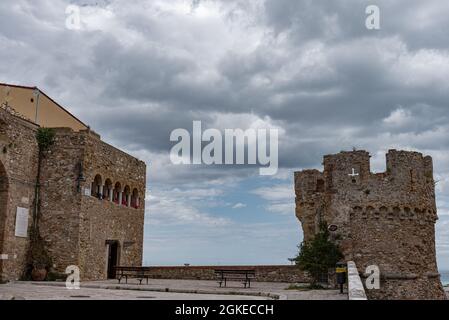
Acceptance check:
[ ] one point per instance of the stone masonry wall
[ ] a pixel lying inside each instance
(103, 220)
(75, 224)
(273, 273)
(61, 198)
(385, 219)
(18, 169)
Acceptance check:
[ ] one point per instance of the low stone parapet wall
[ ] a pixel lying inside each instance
(356, 291)
(265, 273)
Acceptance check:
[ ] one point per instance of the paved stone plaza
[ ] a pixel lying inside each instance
(161, 290)
(28, 291)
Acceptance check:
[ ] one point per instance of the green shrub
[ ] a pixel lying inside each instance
(45, 138)
(318, 255)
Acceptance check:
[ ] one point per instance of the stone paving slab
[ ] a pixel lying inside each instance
(276, 290)
(194, 289)
(31, 291)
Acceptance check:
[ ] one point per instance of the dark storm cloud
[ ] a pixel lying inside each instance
(137, 72)
(422, 24)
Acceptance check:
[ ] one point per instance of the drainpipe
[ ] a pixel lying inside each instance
(80, 176)
(37, 94)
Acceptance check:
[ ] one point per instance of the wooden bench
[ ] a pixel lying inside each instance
(244, 276)
(138, 273)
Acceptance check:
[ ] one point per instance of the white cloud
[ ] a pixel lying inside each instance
(280, 198)
(163, 208)
(398, 117)
(285, 208)
(244, 121)
(279, 192)
(238, 205)
(423, 68)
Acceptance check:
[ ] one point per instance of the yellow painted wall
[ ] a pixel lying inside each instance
(49, 113)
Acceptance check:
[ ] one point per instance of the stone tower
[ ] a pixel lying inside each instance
(384, 219)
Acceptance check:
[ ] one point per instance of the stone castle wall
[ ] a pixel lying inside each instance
(384, 219)
(77, 225)
(18, 168)
(61, 198)
(74, 224)
(110, 222)
(104, 220)
(268, 273)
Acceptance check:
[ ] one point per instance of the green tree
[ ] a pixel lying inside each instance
(318, 255)
(38, 257)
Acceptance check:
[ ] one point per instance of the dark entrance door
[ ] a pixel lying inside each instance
(112, 258)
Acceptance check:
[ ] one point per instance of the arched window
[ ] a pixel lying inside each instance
(396, 211)
(126, 196)
(135, 199)
(383, 211)
(117, 194)
(107, 190)
(408, 213)
(96, 190)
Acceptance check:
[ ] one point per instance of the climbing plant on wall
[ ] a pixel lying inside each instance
(38, 257)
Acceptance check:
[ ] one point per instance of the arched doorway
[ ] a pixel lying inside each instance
(3, 209)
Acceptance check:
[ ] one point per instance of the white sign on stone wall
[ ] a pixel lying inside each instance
(22, 222)
(87, 191)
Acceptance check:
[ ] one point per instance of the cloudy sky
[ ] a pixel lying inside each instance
(137, 70)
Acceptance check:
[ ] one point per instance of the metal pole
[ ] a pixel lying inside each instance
(37, 94)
